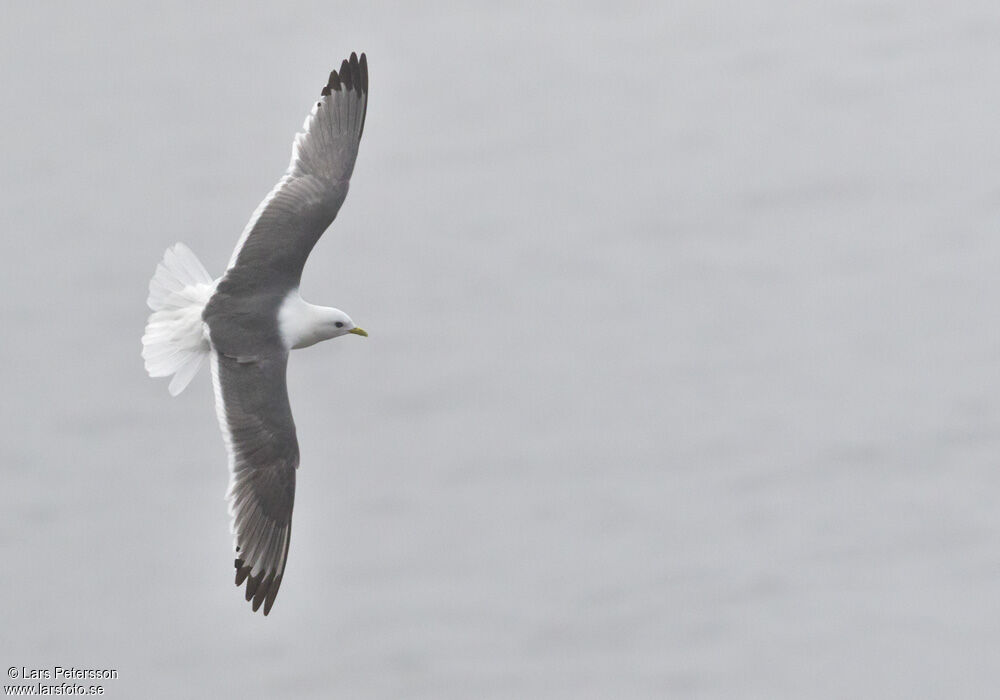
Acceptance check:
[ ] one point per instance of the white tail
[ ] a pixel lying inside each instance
(175, 341)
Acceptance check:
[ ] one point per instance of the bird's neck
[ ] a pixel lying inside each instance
(303, 324)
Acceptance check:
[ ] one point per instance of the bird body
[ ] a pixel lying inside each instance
(248, 320)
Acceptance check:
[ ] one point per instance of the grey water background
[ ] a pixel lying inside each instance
(683, 377)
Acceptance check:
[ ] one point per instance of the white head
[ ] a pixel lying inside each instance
(336, 323)
(303, 324)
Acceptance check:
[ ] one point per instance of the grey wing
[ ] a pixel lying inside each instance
(251, 400)
(283, 230)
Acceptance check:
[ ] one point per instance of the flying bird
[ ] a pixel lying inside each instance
(248, 320)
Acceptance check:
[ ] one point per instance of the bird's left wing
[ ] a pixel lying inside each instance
(283, 230)
(251, 399)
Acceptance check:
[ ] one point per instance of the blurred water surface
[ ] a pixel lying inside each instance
(683, 377)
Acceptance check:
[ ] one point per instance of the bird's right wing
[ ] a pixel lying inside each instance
(251, 400)
(283, 230)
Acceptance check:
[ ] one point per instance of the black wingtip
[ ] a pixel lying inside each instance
(252, 583)
(263, 591)
(260, 590)
(272, 594)
(241, 572)
(345, 75)
(353, 75)
(363, 89)
(332, 84)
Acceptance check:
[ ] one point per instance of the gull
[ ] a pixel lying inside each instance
(247, 321)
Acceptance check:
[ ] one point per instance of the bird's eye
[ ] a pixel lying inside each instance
(339, 324)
